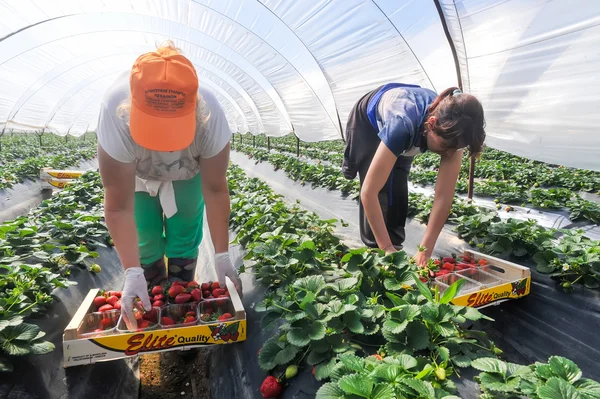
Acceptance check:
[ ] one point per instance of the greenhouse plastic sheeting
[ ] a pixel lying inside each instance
(545, 323)
(278, 66)
(42, 377)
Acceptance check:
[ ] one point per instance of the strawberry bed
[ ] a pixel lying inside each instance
(331, 308)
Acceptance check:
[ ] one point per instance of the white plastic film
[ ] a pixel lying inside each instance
(279, 66)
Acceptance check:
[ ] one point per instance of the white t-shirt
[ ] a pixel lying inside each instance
(115, 138)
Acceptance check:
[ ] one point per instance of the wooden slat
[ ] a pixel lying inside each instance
(75, 323)
(240, 313)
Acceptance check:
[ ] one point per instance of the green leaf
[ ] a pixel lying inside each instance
(266, 357)
(344, 284)
(309, 298)
(383, 391)
(311, 283)
(298, 337)
(588, 389)
(352, 321)
(495, 382)
(428, 369)
(423, 289)
(417, 335)
(330, 390)
(462, 361)
(269, 320)
(543, 370)
(394, 326)
(317, 331)
(323, 370)
(41, 347)
(490, 365)
(388, 372)
(352, 362)
(22, 332)
(443, 352)
(406, 361)
(450, 292)
(474, 314)
(556, 388)
(423, 388)
(446, 329)
(16, 348)
(396, 300)
(564, 368)
(312, 311)
(315, 357)
(356, 384)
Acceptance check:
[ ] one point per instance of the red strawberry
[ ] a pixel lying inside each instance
(143, 324)
(227, 294)
(196, 294)
(151, 315)
(462, 266)
(483, 262)
(448, 266)
(271, 387)
(190, 319)
(112, 300)
(106, 324)
(115, 293)
(158, 304)
(159, 297)
(192, 284)
(313, 370)
(99, 301)
(167, 321)
(217, 292)
(226, 337)
(181, 283)
(224, 317)
(175, 290)
(215, 285)
(205, 286)
(182, 298)
(209, 297)
(190, 313)
(423, 279)
(118, 305)
(105, 308)
(206, 293)
(448, 259)
(235, 336)
(437, 262)
(376, 356)
(157, 290)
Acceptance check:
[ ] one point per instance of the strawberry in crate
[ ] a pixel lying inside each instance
(176, 293)
(179, 315)
(107, 300)
(213, 290)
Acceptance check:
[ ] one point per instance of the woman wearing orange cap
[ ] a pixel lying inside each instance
(163, 151)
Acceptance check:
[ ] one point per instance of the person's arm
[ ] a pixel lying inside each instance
(118, 180)
(377, 175)
(216, 197)
(442, 203)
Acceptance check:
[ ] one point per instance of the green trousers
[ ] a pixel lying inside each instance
(178, 236)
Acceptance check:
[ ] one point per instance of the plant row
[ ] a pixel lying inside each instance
(509, 192)
(365, 323)
(570, 259)
(37, 252)
(29, 168)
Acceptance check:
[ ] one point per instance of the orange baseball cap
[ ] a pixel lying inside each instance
(164, 91)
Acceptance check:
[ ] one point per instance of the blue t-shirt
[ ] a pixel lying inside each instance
(397, 111)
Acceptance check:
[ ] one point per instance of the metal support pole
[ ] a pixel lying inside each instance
(471, 177)
(269, 144)
(253, 141)
(297, 146)
(241, 139)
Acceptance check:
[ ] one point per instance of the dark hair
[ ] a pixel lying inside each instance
(460, 119)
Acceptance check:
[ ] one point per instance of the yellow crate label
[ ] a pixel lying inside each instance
(64, 175)
(151, 341)
(512, 290)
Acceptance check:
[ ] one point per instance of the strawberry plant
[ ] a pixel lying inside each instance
(559, 378)
(553, 198)
(582, 209)
(571, 259)
(515, 237)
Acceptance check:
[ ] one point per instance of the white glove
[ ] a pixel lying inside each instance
(135, 286)
(225, 269)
